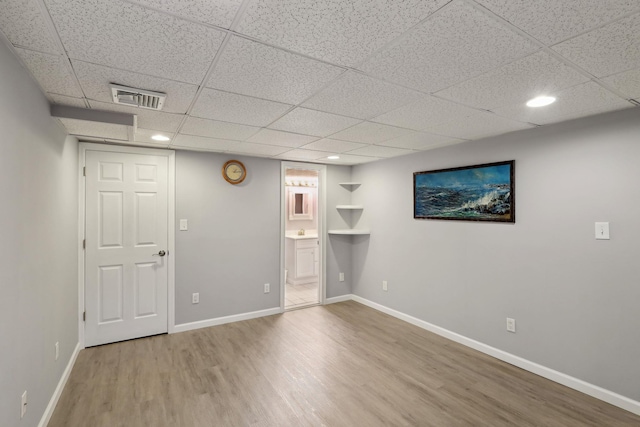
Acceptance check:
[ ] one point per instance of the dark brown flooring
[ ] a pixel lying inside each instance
(339, 365)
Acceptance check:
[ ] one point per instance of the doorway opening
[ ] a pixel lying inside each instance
(302, 227)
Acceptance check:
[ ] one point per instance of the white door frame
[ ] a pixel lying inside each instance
(171, 195)
(322, 224)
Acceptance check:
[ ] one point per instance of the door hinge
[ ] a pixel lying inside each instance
(84, 171)
(84, 316)
(84, 244)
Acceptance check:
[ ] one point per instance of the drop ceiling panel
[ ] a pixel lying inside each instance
(230, 107)
(219, 13)
(95, 129)
(608, 50)
(342, 32)
(67, 100)
(217, 129)
(578, 101)
(317, 123)
(298, 154)
(95, 80)
(479, 125)
(147, 119)
(456, 44)
(51, 72)
(130, 37)
(24, 25)
(254, 69)
(201, 143)
(332, 145)
(361, 96)
(628, 83)
(551, 21)
(425, 113)
(380, 151)
(258, 149)
(283, 139)
(519, 81)
(370, 133)
(144, 135)
(420, 141)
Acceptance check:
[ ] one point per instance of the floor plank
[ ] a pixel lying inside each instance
(339, 365)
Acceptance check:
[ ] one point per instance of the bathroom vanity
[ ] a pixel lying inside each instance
(302, 258)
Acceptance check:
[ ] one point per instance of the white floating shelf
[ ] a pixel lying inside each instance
(353, 207)
(350, 231)
(350, 183)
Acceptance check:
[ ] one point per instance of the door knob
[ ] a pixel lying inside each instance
(161, 253)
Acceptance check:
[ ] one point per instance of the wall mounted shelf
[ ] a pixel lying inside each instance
(351, 186)
(351, 207)
(350, 231)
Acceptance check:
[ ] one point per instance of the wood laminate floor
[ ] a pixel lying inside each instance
(339, 365)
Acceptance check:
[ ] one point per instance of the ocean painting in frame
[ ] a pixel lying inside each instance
(470, 193)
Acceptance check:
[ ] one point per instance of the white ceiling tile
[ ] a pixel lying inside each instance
(300, 154)
(608, 50)
(230, 107)
(425, 113)
(254, 69)
(130, 37)
(342, 32)
(219, 13)
(257, 149)
(95, 129)
(357, 95)
(332, 145)
(201, 143)
(95, 80)
(67, 100)
(144, 135)
(479, 125)
(51, 72)
(24, 25)
(380, 151)
(284, 139)
(578, 101)
(216, 129)
(370, 133)
(420, 141)
(147, 119)
(311, 122)
(349, 159)
(519, 81)
(628, 83)
(551, 21)
(456, 44)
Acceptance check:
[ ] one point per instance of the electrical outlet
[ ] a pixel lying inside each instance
(57, 350)
(341, 277)
(23, 408)
(195, 298)
(384, 285)
(511, 325)
(267, 288)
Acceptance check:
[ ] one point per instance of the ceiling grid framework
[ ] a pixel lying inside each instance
(306, 79)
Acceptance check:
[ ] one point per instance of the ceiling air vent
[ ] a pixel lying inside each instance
(137, 97)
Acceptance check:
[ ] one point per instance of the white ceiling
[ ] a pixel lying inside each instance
(305, 79)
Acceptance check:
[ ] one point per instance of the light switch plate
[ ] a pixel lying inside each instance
(184, 226)
(602, 231)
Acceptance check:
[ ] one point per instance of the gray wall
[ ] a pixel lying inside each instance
(575, 299)
(38, 250)
(339, 247)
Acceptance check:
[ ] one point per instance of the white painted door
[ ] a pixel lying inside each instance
(126, 214)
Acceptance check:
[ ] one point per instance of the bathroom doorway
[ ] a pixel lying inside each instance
(302, 242)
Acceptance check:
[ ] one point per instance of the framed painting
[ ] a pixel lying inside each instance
(470, 193)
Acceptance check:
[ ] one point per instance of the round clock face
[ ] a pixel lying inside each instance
(234, 172)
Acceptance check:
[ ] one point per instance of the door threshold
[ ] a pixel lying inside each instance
(301, 306)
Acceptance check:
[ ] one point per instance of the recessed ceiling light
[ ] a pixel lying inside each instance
(333, 157)
(160, 138)
(541, 101)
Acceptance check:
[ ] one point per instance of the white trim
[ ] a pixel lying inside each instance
(548, 373)
(48, 412)
(83, 147)
(341, 298)
(226, 319)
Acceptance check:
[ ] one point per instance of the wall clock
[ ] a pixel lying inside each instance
(234, 172)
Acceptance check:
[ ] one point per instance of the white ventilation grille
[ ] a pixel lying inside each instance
(137, 97)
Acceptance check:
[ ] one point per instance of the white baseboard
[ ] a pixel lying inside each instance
(226, 319)
(553, 375)
(46, 417)
(341, 298)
